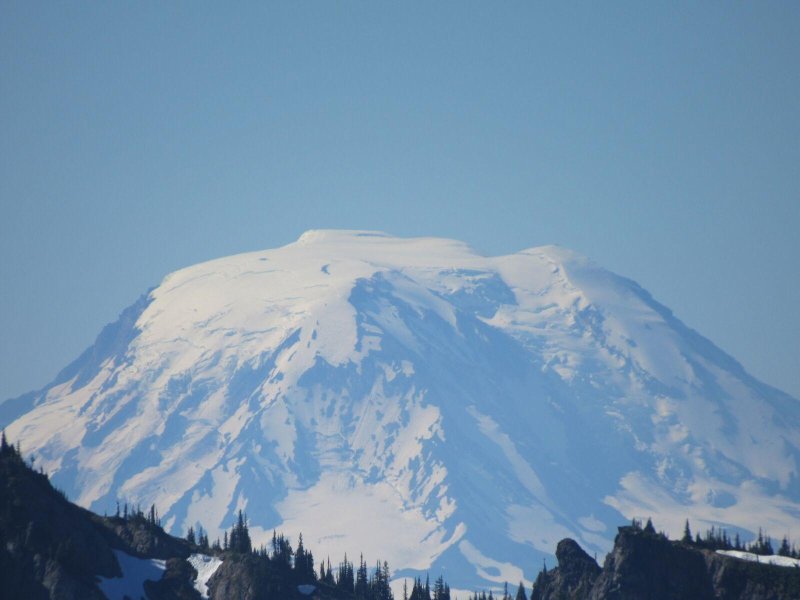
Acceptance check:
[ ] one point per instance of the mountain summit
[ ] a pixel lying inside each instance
(466, 412)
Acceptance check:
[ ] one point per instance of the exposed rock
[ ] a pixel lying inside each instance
(176, 584)
(574, 576)
(648, 565)
(241, 577)
(644, 564)
(144, 539)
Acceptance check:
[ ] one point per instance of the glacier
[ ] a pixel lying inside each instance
(416, 401)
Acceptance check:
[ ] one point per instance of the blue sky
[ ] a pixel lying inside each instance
(139, 138)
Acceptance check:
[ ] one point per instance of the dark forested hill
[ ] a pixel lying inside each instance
(53, 549)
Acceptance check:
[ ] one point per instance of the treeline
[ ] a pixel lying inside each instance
(520, 595)
(717, 538)
(283, 569)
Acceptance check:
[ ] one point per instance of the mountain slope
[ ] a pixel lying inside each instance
(470, 408)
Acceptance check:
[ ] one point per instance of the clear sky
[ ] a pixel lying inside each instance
(660, 139)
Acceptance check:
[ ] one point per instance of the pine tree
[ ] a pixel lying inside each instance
(361, 580)
(648, 528)
(190, 536)
(521, 592)
(687, 534)
(438, 588)
(345, 578)
(785, 549)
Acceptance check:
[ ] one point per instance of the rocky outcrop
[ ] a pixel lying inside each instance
(241, 577)
(646, 565)
(176, 584)
(574, 577)
(141, 538)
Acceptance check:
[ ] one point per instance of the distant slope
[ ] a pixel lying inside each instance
(473, 409)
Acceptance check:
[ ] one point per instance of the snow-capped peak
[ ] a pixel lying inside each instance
(474, 409)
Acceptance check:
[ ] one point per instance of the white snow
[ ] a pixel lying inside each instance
(205, 566)
(135, 571)
(773, 559)
(469, 408)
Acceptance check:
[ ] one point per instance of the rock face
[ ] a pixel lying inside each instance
(574, 577)
(644, 564)
(648, 565)
(242, 577)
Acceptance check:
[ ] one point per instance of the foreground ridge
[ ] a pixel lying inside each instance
(54, 550)
(646, 564)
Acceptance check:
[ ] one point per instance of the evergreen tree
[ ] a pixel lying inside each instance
(785, 549)
(521, 592)
(202, 539)
(361, 580)
(419, 591)
(190, 536)
(329, 574)
(239, 539)
(648, 528)
(687, 534)
(345, 578)
(438, 588)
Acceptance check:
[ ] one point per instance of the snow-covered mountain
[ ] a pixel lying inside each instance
(416, 401)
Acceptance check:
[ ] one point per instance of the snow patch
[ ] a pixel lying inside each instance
(773, 559)
(205, 566)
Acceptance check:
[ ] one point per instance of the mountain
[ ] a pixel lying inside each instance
(471, 410)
